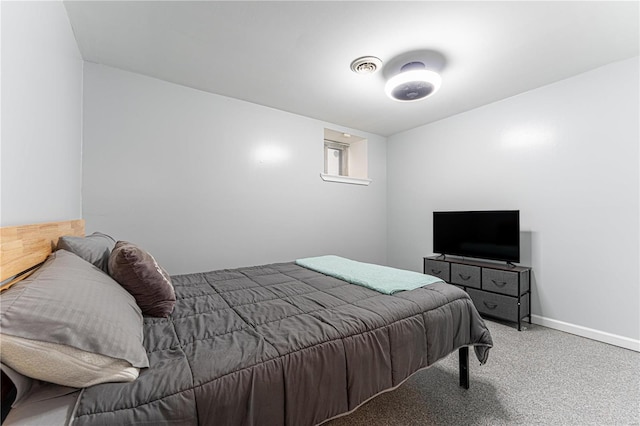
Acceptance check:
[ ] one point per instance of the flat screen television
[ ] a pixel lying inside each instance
(492, 234)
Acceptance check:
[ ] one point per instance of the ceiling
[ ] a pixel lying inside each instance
(296, 56)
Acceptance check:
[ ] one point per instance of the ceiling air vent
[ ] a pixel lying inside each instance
(366, 65)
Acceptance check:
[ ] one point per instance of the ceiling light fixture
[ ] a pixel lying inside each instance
(413, 83)
(365, 65)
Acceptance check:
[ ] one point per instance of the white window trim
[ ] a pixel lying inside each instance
(345, 179)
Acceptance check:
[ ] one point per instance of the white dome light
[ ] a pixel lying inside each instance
(413, 83)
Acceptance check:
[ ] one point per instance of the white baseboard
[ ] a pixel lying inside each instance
(601, 336)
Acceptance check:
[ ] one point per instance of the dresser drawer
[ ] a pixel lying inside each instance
(466, 275)
(505, 282)
(437, 268)
(499, 306)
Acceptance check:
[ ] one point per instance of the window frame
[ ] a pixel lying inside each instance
(344, 156)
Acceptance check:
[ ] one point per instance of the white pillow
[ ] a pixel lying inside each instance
(63, 365)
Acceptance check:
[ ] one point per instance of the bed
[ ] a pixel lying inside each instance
(276, 344)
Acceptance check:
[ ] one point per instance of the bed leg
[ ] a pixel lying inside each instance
(463, 358)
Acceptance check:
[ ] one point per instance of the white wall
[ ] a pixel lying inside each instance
(566, 155)
(41, 115)
(206, 182)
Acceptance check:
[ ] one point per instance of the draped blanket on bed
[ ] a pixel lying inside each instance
(282, 345)
(376, 277)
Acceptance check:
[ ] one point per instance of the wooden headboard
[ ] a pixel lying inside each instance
(23, 247)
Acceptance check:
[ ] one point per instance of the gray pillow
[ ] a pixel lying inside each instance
(26, 387)
(22, 383)
(94, 248)
(71, 305)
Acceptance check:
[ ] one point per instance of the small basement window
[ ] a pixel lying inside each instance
(345, 158)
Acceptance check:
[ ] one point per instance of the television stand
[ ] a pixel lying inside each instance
(498, 291)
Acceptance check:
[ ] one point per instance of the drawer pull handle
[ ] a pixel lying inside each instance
(464, 278)
(499, 283)
(436, 272)
(490, 305)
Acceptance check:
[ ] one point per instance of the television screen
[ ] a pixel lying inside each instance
(491, 235)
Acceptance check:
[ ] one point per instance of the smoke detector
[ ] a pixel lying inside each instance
(366, 65)
(413, 83)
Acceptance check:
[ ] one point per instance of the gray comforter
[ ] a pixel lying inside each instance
(282, 345)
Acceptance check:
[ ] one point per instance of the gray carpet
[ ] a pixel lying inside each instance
(538, 376)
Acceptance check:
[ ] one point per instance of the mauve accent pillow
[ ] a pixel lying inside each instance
(94, 248)
(139, 273)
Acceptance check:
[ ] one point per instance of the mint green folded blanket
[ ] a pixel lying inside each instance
(376, 277)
